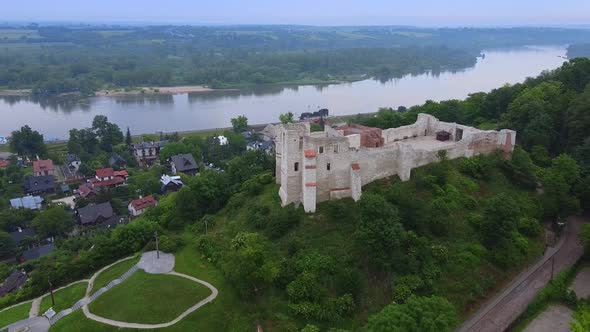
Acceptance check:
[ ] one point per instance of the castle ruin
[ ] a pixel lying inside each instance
(314, 167)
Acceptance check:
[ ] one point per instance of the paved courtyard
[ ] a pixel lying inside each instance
(151, 264)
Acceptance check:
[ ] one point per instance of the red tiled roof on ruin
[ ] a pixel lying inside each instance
(309, 153)
(311, 184)
(42, 166)
(370, 137)
(105, 172)
(144, 203)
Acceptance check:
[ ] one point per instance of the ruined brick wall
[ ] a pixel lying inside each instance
(332, 165)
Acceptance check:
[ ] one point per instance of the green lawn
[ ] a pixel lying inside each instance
(149, 298)
(14, 314)
(64, 298)
(113, 273)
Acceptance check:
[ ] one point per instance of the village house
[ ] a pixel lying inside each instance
(108, 177)
(27, 202)
(73, 162)
(314, 167)
(39, 184)
(264, 146)
(184, 163)
(13, 283)
(4, 163)
(170, 183)
(22, 235)
(147, 152)
(98, 214)
(37, 252)
(43, 167)
(117, 162)
(140, 205)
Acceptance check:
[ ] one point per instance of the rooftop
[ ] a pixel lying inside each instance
(42, 165)
(39, 251)
(105, 172)
(144, 202)
(21, 234)
(27, 202)
(184, 162)
(39, 183)
(91, 213)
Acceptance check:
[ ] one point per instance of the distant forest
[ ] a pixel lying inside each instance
(83, 59)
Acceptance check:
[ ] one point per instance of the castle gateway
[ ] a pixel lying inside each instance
(336, 163)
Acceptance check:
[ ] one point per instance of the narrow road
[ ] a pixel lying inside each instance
(498, 313)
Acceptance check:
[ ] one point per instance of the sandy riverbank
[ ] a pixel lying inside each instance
(153, 90)
(17, 93)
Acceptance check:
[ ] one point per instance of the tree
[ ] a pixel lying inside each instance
(424, 314)
(581, 322)
(172, 149)
(286, 118)
(54, 221)
(7, 245)
(128, 139)
(108, 133)
(240, 124)
(500, 219)
(28, 142)
(248, 263)
(378, 231)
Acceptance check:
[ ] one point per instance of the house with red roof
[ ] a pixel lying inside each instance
(43, 167)
(4, 163)
(138, 206)
(107, 177)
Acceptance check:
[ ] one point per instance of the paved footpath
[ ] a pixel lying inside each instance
(504, 308)
(151, 264)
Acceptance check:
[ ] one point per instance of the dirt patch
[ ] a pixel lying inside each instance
(555, 319)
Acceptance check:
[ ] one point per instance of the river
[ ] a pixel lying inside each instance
(263, 104)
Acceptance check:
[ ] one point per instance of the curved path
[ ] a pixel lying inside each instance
(150, 264)
(502, 310)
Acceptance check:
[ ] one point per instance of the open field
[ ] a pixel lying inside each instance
(64, 298)
(149, 298)
(14, 314)
(13, 34)
(113, 273)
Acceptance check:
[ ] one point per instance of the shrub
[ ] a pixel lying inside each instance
(170, 244)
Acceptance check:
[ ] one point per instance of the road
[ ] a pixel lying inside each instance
(502, 310)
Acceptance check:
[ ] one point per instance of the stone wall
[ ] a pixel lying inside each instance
(319, 166)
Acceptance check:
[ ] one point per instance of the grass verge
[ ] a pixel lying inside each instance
(14, 314)
(113, 273)
(64, 298)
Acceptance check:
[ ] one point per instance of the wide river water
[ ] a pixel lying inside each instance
(263, 104)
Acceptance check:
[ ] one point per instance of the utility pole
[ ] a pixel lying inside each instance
(157, 246)
(51, 292)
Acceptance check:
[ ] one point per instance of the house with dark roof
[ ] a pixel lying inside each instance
(39, 184)
(170, 183)
(73, 162)
(184, 163)
(43, 167)
(13, 283)
(22, 234)
(265, 146)
(87, 190)
(140, 205)
(95, 214)
(37, 252)
(116, 161)
(147, 152)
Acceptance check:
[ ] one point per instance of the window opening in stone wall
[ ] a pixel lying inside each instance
(336, 148)
(328, 166)
(321, 149)
(296, 167)
(300, 143)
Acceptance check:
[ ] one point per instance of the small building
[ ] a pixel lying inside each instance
(43, 167)
(222, 140)
(73, 162)
(39, 184)
(106, 177)
(116, 161)
(22, 234)
(13, 283)
(27, 202)
(95, 214)
(4, 163)
(87, 190)
(147, 152)
(170, 183)
(184, 163)
(140, 205)
(37, 252)
(264, 146)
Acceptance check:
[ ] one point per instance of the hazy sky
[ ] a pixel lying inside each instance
(317, 12)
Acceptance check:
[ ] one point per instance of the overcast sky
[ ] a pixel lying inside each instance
(315, 12)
